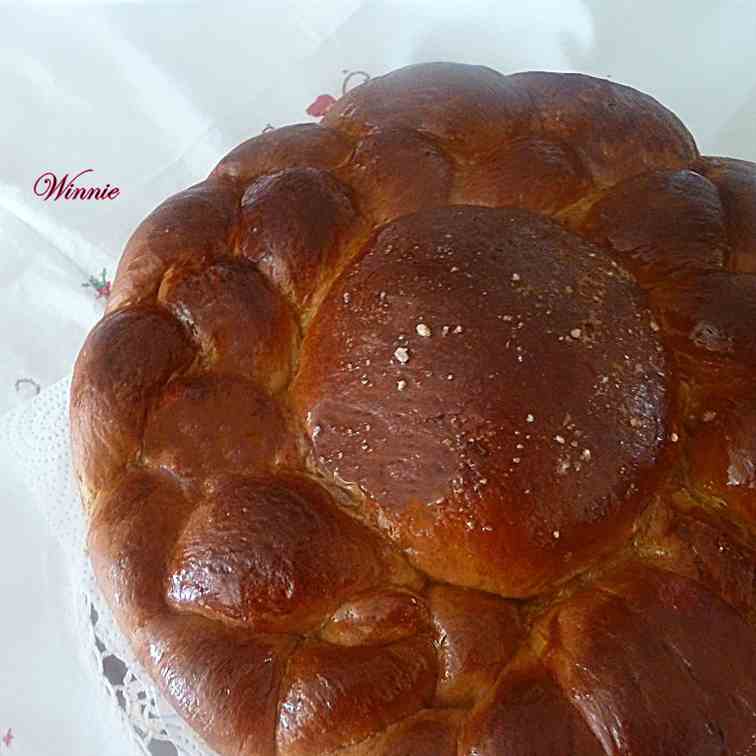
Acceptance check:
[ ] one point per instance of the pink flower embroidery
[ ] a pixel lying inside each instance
(320, 105)
(8, 737)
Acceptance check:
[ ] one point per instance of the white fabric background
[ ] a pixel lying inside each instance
(150, 96)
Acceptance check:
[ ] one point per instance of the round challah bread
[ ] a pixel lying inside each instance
(430, 430)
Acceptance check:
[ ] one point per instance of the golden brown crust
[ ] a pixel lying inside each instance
(125, 361)
(297, 248)
(472, 335)
(708, 321)
(430, 732)
(377, 617)
(477, 633)
(563, 456)
(197, 662)
(213, 300)
(656, 664)
(699, 545)
(128, 560)
(736, 182)
(632, 219)
(397, 171)
(207, 426)
(334, 696)
(617, 131)
(526, 714)
(530, 172)
(301, 145)
(273, 554)
(192, 225)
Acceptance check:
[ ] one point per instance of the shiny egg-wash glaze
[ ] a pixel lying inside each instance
(431, 430)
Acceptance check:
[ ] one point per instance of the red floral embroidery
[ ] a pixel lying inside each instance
(321, 105)
(8, 737)
(324, 102)
(101, 285)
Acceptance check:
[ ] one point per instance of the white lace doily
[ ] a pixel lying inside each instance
(37, 432)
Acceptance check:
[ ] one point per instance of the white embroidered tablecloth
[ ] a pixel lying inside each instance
(149, 96)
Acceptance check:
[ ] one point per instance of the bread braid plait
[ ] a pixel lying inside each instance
(431, 430)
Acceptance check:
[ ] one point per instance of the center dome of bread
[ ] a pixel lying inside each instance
(493, 390)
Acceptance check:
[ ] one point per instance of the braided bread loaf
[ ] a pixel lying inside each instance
(431, 430)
